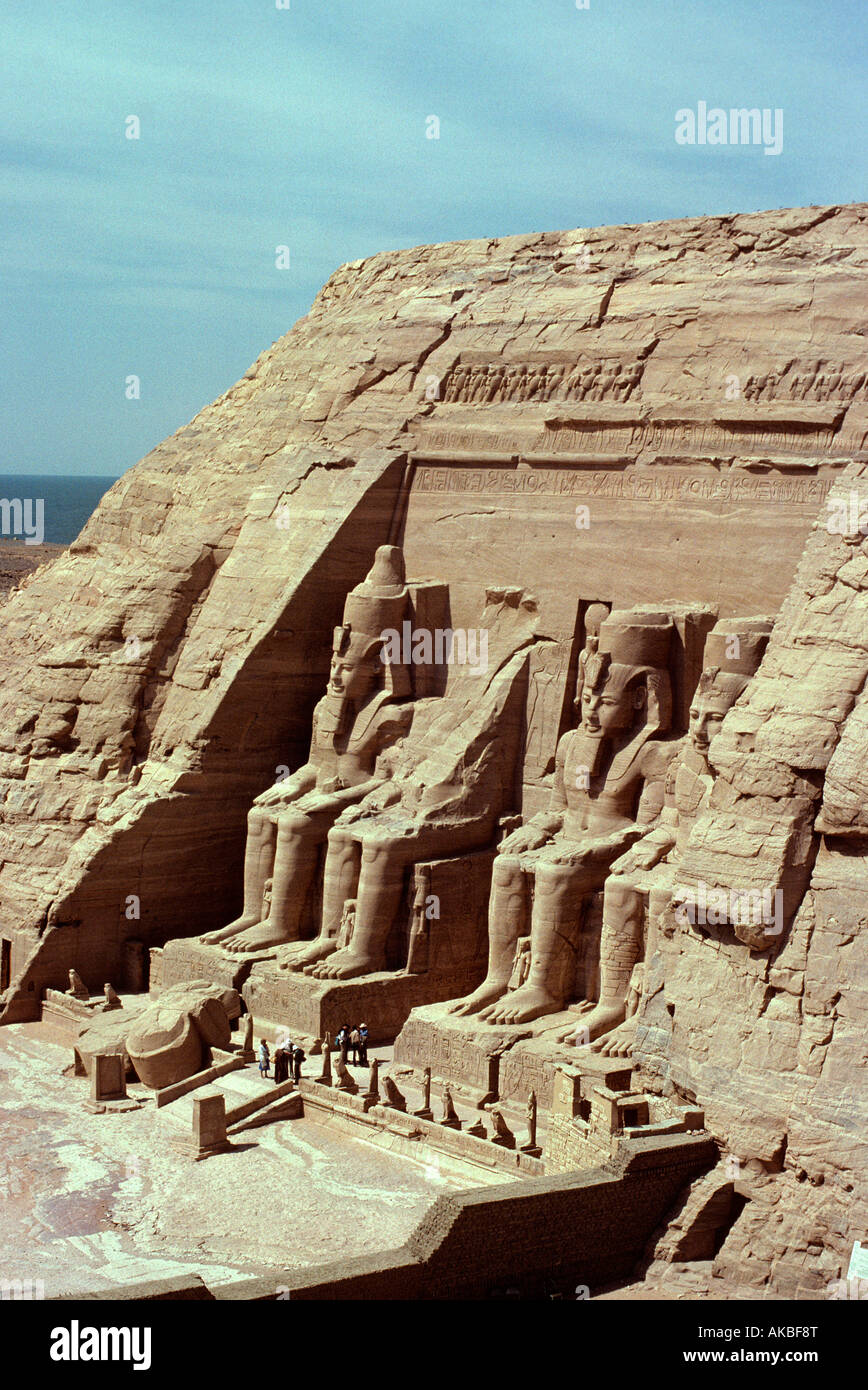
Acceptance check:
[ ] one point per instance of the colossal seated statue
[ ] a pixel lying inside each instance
(360, 714)
(450, 781)
(609, 785)
(641, 881)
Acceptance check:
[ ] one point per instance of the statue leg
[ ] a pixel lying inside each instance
(381, 886)
(340, 878)
(619, 1042)
(507, 915)
(258, 859)
(555, 927)
(620, 949)
(386, 856)
(299, 836)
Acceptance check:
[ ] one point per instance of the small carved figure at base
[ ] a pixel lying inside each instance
(77, 988)
(395, 1100)
(450, 1118)
(112, 1001)
(502, 1135)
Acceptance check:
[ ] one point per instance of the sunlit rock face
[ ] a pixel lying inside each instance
(643, 415)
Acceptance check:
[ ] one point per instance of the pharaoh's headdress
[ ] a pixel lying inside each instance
(733, 651)
(379, 603)
(635, 645)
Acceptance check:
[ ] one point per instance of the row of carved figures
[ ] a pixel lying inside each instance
(336, 1073)
(591, 381)
(376, 797)
(821, 381)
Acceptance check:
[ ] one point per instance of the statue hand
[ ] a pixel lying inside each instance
(522, 840)
(379, 799)
(280, 793)
(643, 855)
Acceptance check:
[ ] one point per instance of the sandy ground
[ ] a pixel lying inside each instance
(89, 1201)
(18, 559)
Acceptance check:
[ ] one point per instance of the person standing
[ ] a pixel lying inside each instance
(298, 1057)
(355, 1042)
(363, 1044)
(264, 1058)
(343, 1042)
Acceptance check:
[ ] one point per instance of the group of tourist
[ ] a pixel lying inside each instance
(351, 1043)
(353, 1040)
(288, 1057)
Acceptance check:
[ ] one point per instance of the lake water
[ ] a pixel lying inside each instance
(67, 502)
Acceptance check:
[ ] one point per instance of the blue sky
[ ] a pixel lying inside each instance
(306, 127)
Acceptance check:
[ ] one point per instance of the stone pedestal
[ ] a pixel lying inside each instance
(463, 1051)
(447, 956)
(108, 1078)
(209, 1124)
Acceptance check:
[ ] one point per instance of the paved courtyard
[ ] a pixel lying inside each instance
(91, 1201)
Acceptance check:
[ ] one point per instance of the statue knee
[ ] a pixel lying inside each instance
(552, 882)
(340, 841)
(506, 871)
(293, 822)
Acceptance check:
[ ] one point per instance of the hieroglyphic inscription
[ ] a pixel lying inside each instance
(636, 485)
(709, 438)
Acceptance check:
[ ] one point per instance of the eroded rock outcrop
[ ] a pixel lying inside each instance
(641, 416)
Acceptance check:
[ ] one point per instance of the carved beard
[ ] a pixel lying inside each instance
(590, 748)
(696, 760)
(334, 715)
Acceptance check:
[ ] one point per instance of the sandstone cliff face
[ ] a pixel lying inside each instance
(157, 674)
(772, 1042)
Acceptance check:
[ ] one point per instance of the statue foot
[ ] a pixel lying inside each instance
(301, 954)
(618, 1043)
(601, 1020)
(577, 1034)
(259, 938)
(486, 994)
(522, 1006)
(343, 965)
(214, 938)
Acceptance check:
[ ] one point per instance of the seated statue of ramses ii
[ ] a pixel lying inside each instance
(608, 789)
(360, 715)
(640, 885)
(451, 779)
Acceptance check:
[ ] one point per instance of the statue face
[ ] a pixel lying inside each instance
(352, 677)
(707, 713)
(610, 707)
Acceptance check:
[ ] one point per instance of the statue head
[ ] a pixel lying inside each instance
(733, 651)
(360, 665)
(356, 667)
(627, 683)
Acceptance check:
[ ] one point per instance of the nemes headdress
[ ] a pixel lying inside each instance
(380, 602)
(635, 645)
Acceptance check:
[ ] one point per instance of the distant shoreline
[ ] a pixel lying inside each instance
(18, 559)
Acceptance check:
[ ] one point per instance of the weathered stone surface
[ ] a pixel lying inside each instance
(626, 417)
